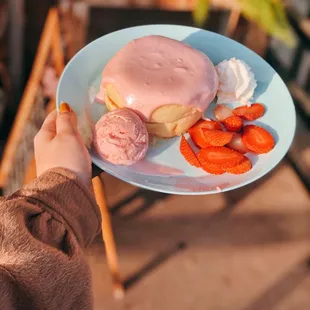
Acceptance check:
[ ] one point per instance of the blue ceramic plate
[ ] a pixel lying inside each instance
(164, 168)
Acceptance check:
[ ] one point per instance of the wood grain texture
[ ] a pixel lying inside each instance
(28, 98)
(108, 237)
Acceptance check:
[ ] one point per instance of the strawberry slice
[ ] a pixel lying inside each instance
(241, 168)
(188, 153)
(221, 157)
(257, 139)
(206, 124)
(217, 137)
(209, 167)
(199, 138)
(250, 113)
(221, 112)
(233, 123)
(237, 144)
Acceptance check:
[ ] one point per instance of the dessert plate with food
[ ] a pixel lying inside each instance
(179, 110)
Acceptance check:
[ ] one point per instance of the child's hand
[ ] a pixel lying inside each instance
(58, 144)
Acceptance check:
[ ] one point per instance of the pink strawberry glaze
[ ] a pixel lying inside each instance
(154, 71)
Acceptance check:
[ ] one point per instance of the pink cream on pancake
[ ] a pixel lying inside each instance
(154, 71)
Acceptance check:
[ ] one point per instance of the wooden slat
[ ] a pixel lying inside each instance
(305, 27)
(108, 237)
(31, 171)
(57, 50)
(28, 97)
(256, 39)
(232, 24)
(58, 62)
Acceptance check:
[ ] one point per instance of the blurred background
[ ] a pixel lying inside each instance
(246, 249)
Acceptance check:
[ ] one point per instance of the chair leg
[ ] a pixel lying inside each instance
(31, 171)
(232, 24)
(108, 238)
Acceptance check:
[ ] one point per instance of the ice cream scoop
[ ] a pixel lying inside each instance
(237, 82)
(120, 137)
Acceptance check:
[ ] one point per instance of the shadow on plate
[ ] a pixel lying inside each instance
(261, 89)
(160, 146)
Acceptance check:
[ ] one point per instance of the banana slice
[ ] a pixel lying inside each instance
(170, 113)
(176, 128)
(112, 98)
(166, 121)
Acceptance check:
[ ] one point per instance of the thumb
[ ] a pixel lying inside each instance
(66, 122)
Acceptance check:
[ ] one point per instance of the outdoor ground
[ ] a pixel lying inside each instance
(247, 249)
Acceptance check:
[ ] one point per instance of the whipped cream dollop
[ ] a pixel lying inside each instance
(237, 82)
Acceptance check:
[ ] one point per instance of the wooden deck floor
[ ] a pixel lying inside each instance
(246, 249)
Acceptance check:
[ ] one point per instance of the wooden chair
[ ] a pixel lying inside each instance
(51, 45)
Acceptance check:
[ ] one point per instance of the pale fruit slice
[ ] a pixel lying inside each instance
(112, 98)
(109, 103)
(170, 113)
(221, 112)
(169, 130)
(237, 144)
(167, 121)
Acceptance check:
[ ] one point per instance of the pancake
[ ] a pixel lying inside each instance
(166, 82)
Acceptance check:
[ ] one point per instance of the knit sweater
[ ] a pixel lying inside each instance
(43, 228)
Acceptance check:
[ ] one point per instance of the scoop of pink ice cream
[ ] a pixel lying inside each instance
(121, 137)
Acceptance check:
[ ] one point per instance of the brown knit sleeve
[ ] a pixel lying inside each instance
(42, 229)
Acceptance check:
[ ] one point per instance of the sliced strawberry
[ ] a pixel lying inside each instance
(222, 157)
(257, 139)
(209, 167)
(221, 112)
(199, 138)
(241, 168)
(237, 144)
(250, 113)
(206, 124)
(188, 153)
(217, 137)
(233, 123)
